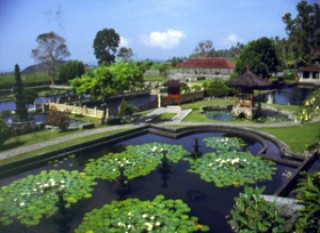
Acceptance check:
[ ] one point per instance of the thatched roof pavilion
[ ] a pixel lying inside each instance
(249, 82)
(244, 101)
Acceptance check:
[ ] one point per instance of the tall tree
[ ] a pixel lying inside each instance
(105, 45)
(105, 81)
(125, 54)
(51, 49)
(21, 109)
(203, 49)
(260, 55)
(304, 31)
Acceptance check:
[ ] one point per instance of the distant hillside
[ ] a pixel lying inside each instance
(38, 68)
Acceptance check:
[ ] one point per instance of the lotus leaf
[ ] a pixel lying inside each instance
(232, 168)
(30, 198)
(133, 215)
(224, 143)
(137, 160)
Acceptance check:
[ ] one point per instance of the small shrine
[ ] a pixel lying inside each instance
(174, 92)
(244, 104)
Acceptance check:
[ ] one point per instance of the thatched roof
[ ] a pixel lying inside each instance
(311, 68)
(207, 62)
(250, 81)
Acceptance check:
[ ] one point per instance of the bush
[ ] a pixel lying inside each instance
(251, 213)
(5, 113)
(289, 76)
(126, 109)
(216, 88)
(70, 70)
(308, 194)
(58, 119)
(4, 132)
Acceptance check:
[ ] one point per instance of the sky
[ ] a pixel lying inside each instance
(153, 29)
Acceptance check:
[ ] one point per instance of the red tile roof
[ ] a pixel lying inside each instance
(207, 62)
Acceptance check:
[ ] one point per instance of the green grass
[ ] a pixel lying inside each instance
(298, 138)
(163, 117)
(8, 80)
(58, 146)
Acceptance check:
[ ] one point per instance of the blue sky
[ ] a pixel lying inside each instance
(153, 29)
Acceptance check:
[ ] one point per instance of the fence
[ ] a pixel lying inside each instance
(90, 112)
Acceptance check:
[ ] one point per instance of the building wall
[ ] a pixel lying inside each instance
(310, 77)
(187, 74)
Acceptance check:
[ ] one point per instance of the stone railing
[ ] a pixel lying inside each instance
(90, 112)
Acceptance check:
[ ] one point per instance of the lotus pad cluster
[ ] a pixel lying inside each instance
(133, 215)
(30, 198)
(227, 167)
(137, 160)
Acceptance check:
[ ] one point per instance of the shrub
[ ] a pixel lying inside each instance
(126, 109)
(4, 132)
(251, 213)
(216, 88)
(58, 119)
(308, 194)
(5, 113)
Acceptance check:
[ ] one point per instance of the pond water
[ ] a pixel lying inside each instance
(211, 209)
(289, 95)
(226, 115)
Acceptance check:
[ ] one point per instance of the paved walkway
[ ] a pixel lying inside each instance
(181, 114)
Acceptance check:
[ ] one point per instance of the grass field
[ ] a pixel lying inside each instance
(8, 80)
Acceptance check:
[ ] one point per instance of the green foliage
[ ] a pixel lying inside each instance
(127, 109)
(308, 193)
(260, 55)
(21, 109)
(51, 49)
(105, 81)
(227, 167)
(30, 95)
(31, 198)
(58, 119)
(105, 45)
(311, 107)
(70, 70)
(216, 88)
(4, 131)
(5, 113)
(303, 31)
(252, 214)
(163, 69)
(125, 54)
(133, 215)
(137, 160)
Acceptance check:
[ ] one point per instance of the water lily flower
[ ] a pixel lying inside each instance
(154, 149)
(158, 224)
(22, 204)
(144, 215)
(152, 217)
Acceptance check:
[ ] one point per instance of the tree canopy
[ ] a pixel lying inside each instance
(125, 54)
(304, 31)
(51, 49)
(70, 70)
(260, 55)
(105, 45)
(105, 81)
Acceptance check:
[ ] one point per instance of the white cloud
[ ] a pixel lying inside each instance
(165, 40)
(123, 42)
(231, 40)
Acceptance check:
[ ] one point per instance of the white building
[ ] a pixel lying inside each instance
(202, 68)
(310, 74)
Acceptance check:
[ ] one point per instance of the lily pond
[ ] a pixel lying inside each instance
(147, 183)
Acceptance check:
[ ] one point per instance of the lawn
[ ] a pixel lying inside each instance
(29, 139)
(163, 117)
(8, 80)
(298, 138)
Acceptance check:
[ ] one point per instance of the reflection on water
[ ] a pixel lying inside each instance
(290, 95)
